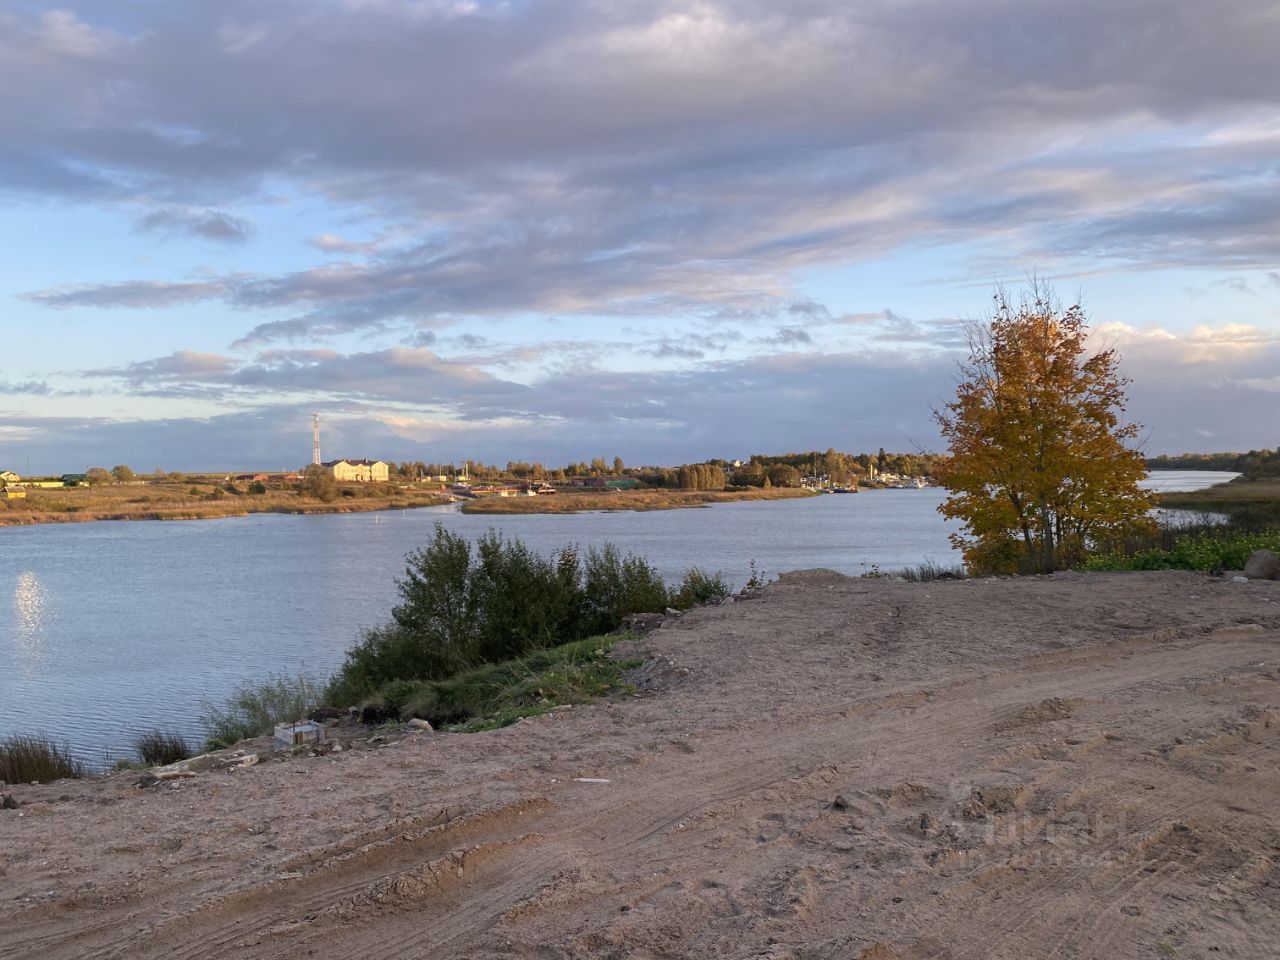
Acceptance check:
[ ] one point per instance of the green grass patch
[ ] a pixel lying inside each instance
(496, 695)
(24, 759)
(1208, 550)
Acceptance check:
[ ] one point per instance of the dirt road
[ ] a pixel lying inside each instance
(1078, 766)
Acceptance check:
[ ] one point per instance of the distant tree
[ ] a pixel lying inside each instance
(97, 475)
(122, 473)
(319, 484)
(1040, 467)
(783, 475)
(176, 477)
(618, 465)
(257, 488)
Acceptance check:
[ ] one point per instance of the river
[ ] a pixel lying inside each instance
(115, 627)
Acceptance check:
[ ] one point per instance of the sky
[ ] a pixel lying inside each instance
(549, 231)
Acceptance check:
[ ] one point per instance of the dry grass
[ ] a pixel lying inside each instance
(35, 759)
(1251, 504)
(1263, 490)
(196, 500)
(159, 748)
(572, 502)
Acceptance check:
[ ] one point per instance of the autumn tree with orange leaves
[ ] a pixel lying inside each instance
(1041, 466)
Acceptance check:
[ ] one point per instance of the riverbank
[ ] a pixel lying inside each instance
(1240, 499)
(641, 500)
(195, 502)
(841, 767)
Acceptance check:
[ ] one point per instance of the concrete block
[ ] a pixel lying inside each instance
(298, 734)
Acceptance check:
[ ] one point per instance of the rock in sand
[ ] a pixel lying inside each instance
(1262, 565)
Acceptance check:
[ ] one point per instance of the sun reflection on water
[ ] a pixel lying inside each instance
(30, 602)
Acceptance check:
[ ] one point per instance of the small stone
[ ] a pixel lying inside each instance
(839, 803)
(1239, 579)
(1131, 911)
(417, 724)
(8, 803)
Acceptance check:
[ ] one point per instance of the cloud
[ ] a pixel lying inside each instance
(130, 294)
(413, 375)
(632, 159)
(791, 337)
(1211, 387)
(533, 200)
(36, 388)
(181, 365)
(216, 225)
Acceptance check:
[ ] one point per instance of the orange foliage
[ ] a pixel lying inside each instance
(1041, 466)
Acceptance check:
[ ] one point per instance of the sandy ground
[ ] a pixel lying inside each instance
(1078, 766)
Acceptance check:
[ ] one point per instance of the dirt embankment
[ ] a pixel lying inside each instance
(1080, 766)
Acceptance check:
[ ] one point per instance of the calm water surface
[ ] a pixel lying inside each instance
(110, 628)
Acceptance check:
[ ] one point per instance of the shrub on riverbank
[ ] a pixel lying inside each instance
(255, 708)
(159, 748)
(24, 759)
(462, 608)
(1204, 548)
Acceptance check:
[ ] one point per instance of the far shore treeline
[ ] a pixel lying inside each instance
(759, 469)
(1254, 464)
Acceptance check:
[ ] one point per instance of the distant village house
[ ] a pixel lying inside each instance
(359, 471)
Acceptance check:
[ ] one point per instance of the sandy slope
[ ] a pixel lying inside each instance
(1081, 766)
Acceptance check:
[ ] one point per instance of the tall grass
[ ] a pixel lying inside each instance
(24, 759)
(159, 748)
(255, 708)
(930, 571)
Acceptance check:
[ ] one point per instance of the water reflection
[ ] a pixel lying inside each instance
(30, 602)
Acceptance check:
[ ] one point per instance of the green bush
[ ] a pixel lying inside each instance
(254, 709)
(697, 587)
(462, 607)
(24, 759)
(1206, 550)
(159, 748)
(614, 587)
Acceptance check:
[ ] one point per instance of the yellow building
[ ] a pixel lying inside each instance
(359, 471)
